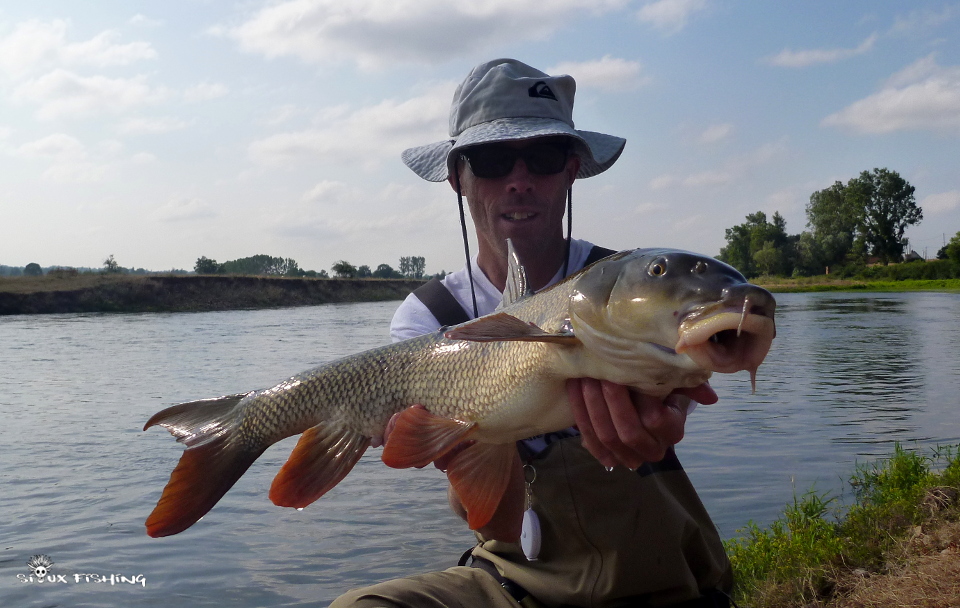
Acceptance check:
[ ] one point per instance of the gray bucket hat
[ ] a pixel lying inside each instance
(503, 100)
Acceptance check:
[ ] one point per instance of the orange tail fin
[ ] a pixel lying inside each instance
(211, 464)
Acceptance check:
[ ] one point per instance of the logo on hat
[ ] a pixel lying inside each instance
(540, 89)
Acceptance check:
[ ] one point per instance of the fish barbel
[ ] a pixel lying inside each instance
(652, 319)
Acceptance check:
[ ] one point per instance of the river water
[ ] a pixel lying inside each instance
(849, 375)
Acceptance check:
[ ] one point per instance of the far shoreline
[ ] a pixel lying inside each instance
(127, 293)
(824, 283)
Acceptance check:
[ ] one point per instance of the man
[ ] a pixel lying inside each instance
(615, 520)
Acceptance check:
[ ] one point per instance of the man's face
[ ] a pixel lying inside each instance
(524, 206)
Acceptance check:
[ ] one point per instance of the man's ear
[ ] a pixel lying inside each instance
(452, 180)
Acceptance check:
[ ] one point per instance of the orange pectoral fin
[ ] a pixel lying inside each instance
(420, 437)
(321, 459)
(479, 475)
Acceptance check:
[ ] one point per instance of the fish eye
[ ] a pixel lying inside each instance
(657, 268)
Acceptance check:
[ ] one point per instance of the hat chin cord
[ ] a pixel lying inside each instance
(466, 244)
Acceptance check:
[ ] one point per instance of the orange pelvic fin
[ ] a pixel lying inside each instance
(420, 437)
(209, 467)
(321, 459)
(504, 327)
(479, 475)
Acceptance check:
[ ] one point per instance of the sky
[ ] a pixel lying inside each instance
(162, 132)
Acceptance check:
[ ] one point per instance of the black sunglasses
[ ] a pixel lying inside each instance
(493, 161)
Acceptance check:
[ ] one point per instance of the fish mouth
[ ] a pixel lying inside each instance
(731, 335)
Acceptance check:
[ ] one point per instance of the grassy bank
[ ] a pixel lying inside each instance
(824, 283)
(184, 293)
(897, 545)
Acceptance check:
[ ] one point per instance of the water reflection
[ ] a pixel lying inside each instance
(848, 375)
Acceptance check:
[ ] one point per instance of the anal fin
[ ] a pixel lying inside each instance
(420, 437)
(322, 458)
(480, 475)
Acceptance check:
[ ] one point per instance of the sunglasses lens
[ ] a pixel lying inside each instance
(498, 161)
(545, 159)
(491, 161)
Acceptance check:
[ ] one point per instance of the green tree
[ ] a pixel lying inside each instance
(363, 272)
(413, 266)
(206, 265)
(888, 207)
(759, 247)
(344, 270)
(32, 270)
(110, 266)
(951, 251)
(867, 216)
(809, 257)
(385, 271)
(834, 220)
(262, 265)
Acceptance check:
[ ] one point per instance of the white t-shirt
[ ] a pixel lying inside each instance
(413, 319)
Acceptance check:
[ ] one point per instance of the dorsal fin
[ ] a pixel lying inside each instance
(516, 287)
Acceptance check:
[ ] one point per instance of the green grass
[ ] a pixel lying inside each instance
(796, 560)
(817, 284)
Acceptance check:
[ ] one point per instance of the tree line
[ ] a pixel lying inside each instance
(411, 267)
(849, 225)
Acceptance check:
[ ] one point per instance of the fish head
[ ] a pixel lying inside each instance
(678, 308)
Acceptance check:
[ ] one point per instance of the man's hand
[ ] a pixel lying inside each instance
(621, 426)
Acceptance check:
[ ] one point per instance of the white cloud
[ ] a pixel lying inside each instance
(410, 213)
(70, 160)
(922, 96)
(151, 126)
(662, 182)
(607, 73)
(799, 59)
(670, 16)
(650, 207)
(715, 133)
(179, 209)
(923, 20)
(732, 170)
(326, 191)
(36, 45)
(205, 91)
(373, 33)
(58, 146)
(144, 21)
(65, 94)
(369, 133)
(941, 202)
(708, 178)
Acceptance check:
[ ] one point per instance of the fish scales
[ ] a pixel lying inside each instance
(655, 320)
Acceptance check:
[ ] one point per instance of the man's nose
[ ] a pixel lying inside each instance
(520, 179)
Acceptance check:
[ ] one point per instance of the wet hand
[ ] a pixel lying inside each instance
(623, 427)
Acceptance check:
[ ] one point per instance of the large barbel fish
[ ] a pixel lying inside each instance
(653, 319)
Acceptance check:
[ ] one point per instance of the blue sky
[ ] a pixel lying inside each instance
(161, 132)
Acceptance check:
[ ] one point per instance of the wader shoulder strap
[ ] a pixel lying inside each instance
(441, 303)
(448, 311)
(597, 254)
